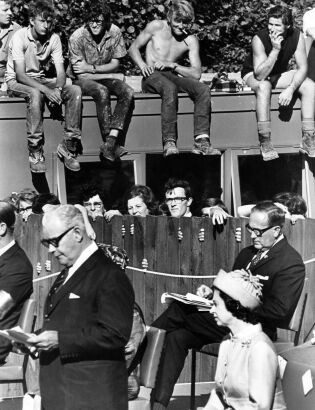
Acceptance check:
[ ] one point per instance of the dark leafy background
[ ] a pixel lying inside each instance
(224, 28)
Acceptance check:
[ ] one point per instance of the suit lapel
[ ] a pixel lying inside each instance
(76, 278)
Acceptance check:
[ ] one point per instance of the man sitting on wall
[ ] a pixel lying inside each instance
(16, 276)
(166, 42)
(31, 51)
(7, 29)
(95, 50)
(266, 68)
(282, 273)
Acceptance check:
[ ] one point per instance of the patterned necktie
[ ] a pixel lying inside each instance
(256, 258)
(59, 281)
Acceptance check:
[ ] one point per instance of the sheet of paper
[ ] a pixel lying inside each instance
(282, 365)
(307, 382)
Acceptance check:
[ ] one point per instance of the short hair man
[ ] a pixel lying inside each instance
(16, 274)
(166, 41)
(7, 29)
(267, 68)
(87, 321)
(282, 273)
(178, 197)
(95, 51)
(30, 52)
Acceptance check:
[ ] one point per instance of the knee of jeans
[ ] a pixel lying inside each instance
(128, 93)
(35, 96)
(101, 93)
(204, 92)
(170, 94)
(76, 90)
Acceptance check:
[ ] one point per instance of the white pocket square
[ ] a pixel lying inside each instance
(73, 296)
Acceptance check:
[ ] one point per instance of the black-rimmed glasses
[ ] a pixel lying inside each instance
(55, 241)
(258, 232)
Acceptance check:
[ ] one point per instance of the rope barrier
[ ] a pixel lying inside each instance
(160, 273)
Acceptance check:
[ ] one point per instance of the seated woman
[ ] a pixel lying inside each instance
(247, 369)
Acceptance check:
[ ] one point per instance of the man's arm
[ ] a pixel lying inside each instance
(264, 64)
(84, 70)
(278, 306)
(142, 40)
(301, 61)
(194, 71)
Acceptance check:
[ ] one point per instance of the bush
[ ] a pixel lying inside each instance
(224, 28)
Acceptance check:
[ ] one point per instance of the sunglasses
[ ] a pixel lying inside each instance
(55, 241)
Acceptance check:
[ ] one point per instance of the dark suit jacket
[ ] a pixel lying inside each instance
(282, 273)
(16, 275)
(93, 313)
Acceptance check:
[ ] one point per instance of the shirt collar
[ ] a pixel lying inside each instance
(7, 247)
(5, 31)
(82, 258)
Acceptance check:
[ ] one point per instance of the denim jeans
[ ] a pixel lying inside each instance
(35, 104)
(100, 91)
(168, 85)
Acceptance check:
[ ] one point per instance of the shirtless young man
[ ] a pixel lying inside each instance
(166, 41)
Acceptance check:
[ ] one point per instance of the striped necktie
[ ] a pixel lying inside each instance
(59, 281)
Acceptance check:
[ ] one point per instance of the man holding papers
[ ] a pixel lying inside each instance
(87, 321)
(281, 271)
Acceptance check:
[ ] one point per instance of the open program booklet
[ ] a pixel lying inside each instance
(188, 299)
(16, 334)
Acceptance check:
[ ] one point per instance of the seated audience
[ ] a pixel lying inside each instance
(7, 29)
(32, 49)
(16, 276)
(247, 368)
(266, 68)
(95, 52)
(165, 42)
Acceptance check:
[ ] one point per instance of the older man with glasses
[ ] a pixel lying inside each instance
(281, 271)
(87, 321)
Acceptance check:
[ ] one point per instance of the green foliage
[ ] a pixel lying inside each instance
(224, 27)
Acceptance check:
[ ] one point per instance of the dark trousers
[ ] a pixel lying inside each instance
(100, 91)
(168, 85)
(186, 328)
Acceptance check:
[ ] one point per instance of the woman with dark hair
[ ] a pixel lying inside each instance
(247, 369)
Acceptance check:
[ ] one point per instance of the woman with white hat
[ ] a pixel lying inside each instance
(247, 369)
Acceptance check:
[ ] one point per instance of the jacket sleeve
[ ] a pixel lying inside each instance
(279, 304)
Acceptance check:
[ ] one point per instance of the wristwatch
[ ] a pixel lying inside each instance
(174, 68)
(59, 88)
(94, 69)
